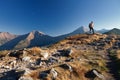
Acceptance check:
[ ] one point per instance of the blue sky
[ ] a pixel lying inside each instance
(56, 17)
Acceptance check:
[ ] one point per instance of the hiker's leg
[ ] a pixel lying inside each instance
(93, 30)
(90, 30)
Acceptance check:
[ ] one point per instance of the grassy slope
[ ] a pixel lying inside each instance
(85, 58)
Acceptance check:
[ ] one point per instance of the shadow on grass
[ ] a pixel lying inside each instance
(113, 67)
(11, 75)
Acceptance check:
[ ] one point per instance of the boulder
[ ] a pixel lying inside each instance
(66, 52)
(53, 60)
(67, 66)
(16, 54)
(44, 55)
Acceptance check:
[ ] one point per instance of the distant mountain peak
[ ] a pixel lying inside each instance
(81, 29)
(102, 30)
(5, 33)
(33, 38)
(6, 36)
(34, 32)
(114, 31)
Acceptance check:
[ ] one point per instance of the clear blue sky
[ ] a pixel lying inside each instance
(55, 17)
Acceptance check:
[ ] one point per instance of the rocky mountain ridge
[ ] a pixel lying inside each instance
(37, 38)
(78, 57)
(34, 38)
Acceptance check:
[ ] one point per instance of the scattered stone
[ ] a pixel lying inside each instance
(54, 73)
(53, 60)
(43, 61)
(7, 67)
(27, 58)
(69, 60)
(13, 63)
(98, 74)
(45, 55)
(65, 52)
(56, 54)
(25, 78)
(93, 74)
(67, 66)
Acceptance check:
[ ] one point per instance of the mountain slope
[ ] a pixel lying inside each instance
(78, 57)
(34, 38)
(113, 31)
(79, 30)
(102, 30)
(5, 36)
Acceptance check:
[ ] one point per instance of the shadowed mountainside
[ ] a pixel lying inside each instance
(36, 38)
(114, 31)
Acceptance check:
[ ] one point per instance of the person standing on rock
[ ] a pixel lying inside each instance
(91, 25)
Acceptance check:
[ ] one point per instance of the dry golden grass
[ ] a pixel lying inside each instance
(77, 73)
(89, 58)
(34, 75)
(85, 59)
(36, 49)
(4, 53)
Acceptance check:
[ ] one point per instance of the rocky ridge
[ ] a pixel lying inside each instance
(79, 57)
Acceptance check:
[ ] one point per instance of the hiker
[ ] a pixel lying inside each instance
(91, 25)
